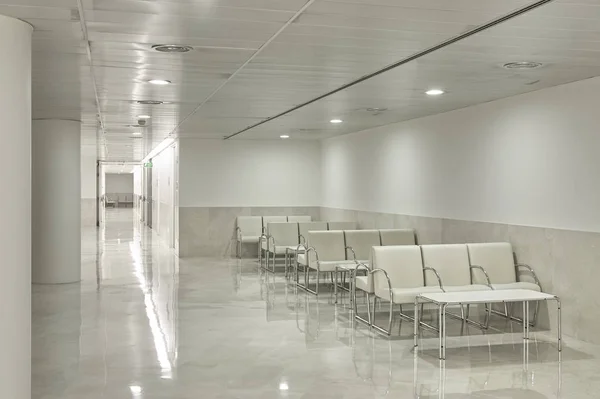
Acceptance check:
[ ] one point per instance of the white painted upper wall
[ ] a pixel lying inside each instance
(240, 173)
(532, 159)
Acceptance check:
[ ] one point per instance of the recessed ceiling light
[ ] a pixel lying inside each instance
(151, 102)
(144, 116)
(171, 48)
(160, 82)
(336, 121)
(434, 92)
(283, 386)
(284, 136)
(522, 65)
(137, 133)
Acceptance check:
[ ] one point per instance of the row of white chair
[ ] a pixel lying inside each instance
(398, 274)
(250, 229)
(340, 251)
(285, 238)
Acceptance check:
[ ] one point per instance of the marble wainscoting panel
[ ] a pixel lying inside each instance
(428, 230)
(88, 212)
(210, 231)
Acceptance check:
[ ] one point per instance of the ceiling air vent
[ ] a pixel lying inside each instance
(171, 48)
(522, 65)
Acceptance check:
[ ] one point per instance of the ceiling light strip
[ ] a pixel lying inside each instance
(413, 57)
(249, 60)
(88, 50)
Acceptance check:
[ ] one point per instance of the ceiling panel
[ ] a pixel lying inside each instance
(253, 59)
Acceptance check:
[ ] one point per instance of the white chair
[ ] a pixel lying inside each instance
(282, 236)
(450, 264)
(342, 225)
(365, 283)
(303, 229)
(359, 244)
(398, 278)
(248, 230)
(326, 251)
(301, 218)
(264, 242)
(397, 237)
(495, 261)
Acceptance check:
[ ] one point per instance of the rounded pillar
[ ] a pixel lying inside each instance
(15, 208)
(56, 190)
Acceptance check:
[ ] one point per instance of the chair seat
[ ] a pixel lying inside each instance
(279, 250)
(522, 285)
(294, 249)
(408, 295)
(464, 288)
(253, 239)
(330, 266)
(365, 284)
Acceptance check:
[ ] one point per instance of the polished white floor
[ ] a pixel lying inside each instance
(144, 324)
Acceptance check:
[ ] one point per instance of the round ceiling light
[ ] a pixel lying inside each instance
(522, 65)
(171, 48)
(284, 136)
(335, 121)
(160, 82)
(434, 92)
(144, 116)
(150, 102)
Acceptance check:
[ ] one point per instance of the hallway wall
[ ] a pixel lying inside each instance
(162, 194)
(521, 170)
(221, 180)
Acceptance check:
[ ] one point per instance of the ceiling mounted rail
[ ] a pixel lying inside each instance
(413, 57)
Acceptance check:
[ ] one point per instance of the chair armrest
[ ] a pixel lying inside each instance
(375, 271)
(436, 275)
(487, 277)
(530, 270)
(308, 251)
(301, 245)
(269, 240)
(353, 253)
(302, 239)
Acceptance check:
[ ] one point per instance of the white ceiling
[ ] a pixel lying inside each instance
(253, 59)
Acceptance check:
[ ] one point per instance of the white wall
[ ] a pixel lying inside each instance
(137, 180)
(528, 160)
(88, 172)
(119, 183)
(162, 194)
(239, 173)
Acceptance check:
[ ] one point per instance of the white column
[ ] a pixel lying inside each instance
(56, 190)
(15, 209)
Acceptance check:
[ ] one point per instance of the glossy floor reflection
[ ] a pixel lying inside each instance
(144, 324)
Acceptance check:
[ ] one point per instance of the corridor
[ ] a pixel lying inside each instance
(144, 324)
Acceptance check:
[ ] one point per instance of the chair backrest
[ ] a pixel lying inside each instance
(342, 225)
(284, 233)
(397, 237)
(361, 241)
(451, 262)
(305, 227)
(300, 218)
(403, 264)
(497, 260)
(250, 225)
(328, 244)
(273, 219)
